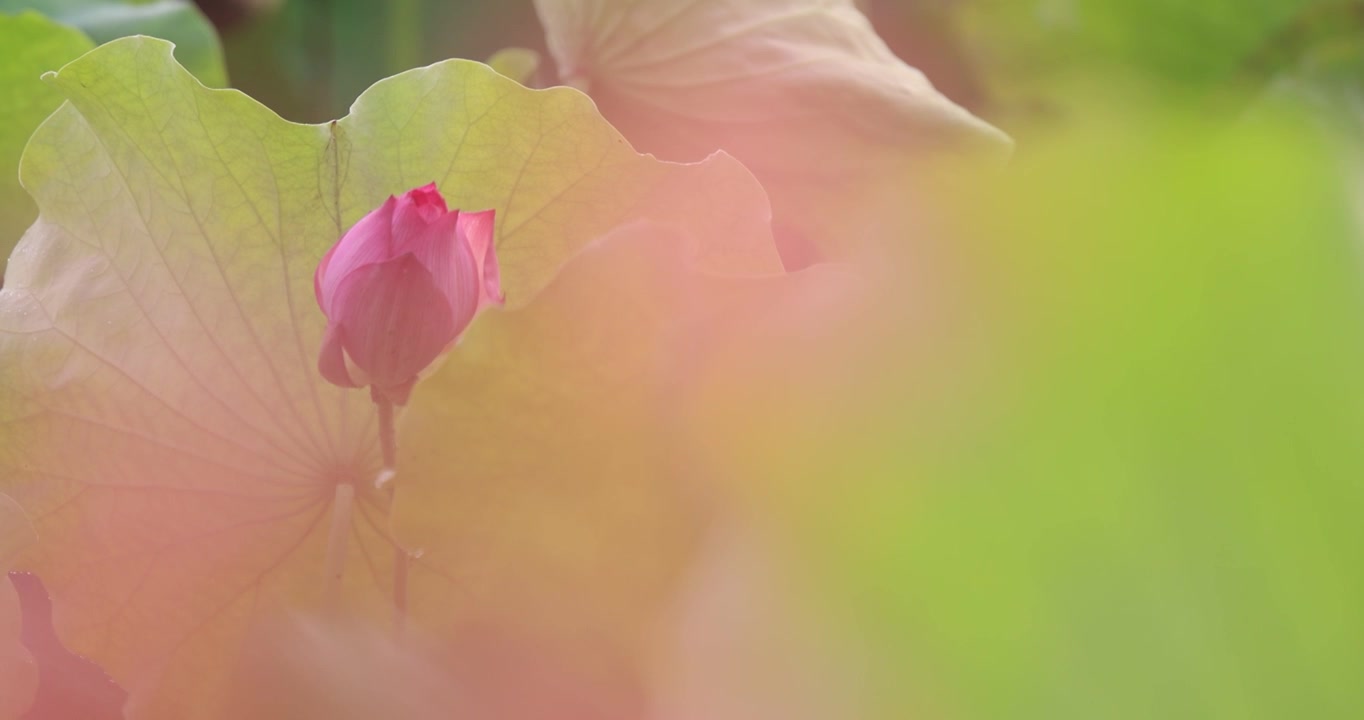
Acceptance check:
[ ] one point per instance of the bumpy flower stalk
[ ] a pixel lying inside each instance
(398, 289)
(388, 444)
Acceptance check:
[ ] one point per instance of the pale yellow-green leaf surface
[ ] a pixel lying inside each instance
(164, 423)
(803, 92)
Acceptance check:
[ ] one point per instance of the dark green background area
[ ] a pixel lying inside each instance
(1011, 61)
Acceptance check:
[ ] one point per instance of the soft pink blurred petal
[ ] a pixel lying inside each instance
(749, 640)
(18, 674)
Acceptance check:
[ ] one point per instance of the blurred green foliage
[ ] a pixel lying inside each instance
(33, 45)
(1152, 508)
(309, 59)
(519, 64)
(196, 41)
(1034, 54)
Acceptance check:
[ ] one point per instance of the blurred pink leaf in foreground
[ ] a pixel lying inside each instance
(18, 674)
(803, 92)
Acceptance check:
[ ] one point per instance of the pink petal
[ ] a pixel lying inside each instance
(428, 201)
(368, 241)
(452, 266)
(416, 210)
(331, 361)
(395, 320)
(476, 231)
(320, 273)
(412, 234)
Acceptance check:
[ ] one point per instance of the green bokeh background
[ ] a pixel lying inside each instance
(1155, 511)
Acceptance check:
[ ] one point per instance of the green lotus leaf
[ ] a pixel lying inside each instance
(166, 427)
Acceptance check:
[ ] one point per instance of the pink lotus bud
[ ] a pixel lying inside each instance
(400, 287)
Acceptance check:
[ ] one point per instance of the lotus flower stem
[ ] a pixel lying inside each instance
(388, 444)
(388, 436)
(398, 289)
